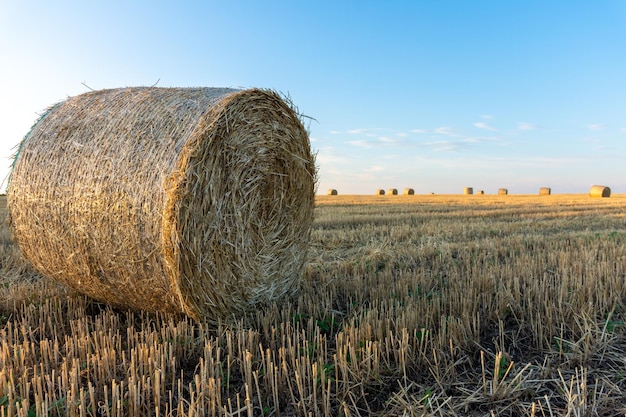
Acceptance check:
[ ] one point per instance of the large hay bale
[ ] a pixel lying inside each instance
(197, 200)
(380, 191)
(503, 191)
(392, 191)
(468, 190)
(480, 192)
(545, 191)
(409, 191)
(331, 191)
(599, 191)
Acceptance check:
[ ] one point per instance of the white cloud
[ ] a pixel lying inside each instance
(367, 144)
(471, 140)
(419, 131)
(623, 130)
(386, 139)
(329, 155)
(448, 131)
(526, 126)
(443, 145)
(595, 126)
(483, 125)
(357, 131)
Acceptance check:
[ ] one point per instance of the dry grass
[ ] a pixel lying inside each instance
(117, 193)
(429, 305)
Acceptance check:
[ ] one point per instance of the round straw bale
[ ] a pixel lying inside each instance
(468, 190)
(331, 191)
(480, 192)
(599, 191)
(503, 191)
(197, 200)
(545, 191)
(392, 191)
(380, 191)
(409, 191)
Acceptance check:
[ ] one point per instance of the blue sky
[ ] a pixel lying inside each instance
(433, 95)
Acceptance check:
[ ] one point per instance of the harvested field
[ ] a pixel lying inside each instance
(426, 305)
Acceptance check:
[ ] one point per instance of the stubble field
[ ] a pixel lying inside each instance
(410, 305)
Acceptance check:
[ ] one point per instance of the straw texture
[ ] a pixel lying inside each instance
(197, 200)
(599, 191)
(545, 191)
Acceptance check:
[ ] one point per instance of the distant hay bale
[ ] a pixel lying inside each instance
(331, 191)
(545, 191)
(468, 190)
(480, 192)
(392, 191)
(409, 191)
(599, 191)
(503, 191)
(194, 200)
(380, 191)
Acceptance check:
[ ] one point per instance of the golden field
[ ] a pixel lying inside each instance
(442, 305)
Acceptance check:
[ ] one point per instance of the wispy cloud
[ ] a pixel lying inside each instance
(447, 145)
(595, 127)
(381, 141)
(357, 131)
(328, 157)
(526, 126)
(487, 116)
(447, 131)
(362, 143)
(419, 131)
(484, 125)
